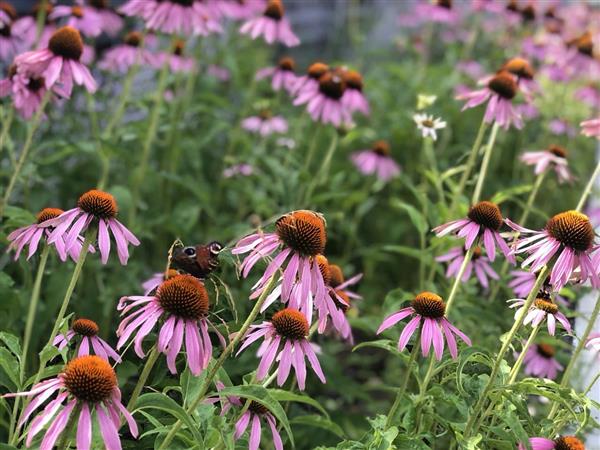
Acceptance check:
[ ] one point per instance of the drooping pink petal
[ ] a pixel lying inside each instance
(84, 428)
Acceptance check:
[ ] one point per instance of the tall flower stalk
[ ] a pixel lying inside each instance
(219, 362)
(485, 163)
(33, 126)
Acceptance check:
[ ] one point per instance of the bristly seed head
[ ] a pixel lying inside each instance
(428, 304)
(48, 213)
(528, 13)
(291, 324)
(546, 350)
(444, 4)
(317, 70)
(77, 11)
(584, 44)
(557, 150)
(9, 10)
(504, 84)
(336, 275)
(353, 79)
(100, 204)
(99, 4)
(12, 71)
(303, 231)
(476, 253)
(324, 269)
(89, 378)
(178, 47)
(572, 229)
(85, 327)
(381, 147)
(287, 63)
(519, 67)
(274, 10)
(35, 84)
(183, 296)
(66, 42)
(568, 443)
(265, 114)
(133, 38)
(184, 2)
(486, 214)
(332, 85)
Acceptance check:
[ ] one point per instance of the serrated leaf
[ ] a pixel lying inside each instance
(12, 342)
(10, 366)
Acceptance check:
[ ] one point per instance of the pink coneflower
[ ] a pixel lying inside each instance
(479, 263)
(439, 11)
(176, 59)
(285, 341)
(428, 308)
(376, 161)
(88, 384)
(84, 19)
(299, 237)
(568, 236)
(265, 124)
(561, 127)
(499, 92)
(241, 10)
(59, 63)
(338, 282)
(253, 415)
(483, 221)
(542, 308)
(182, 17)
(591, 128)
(98, 208)
(31, 236)
(244, 170)
(88, 330)
(27, 91)
(132, 52)
(309, 83)
(139, 8)
(337, 306)
(272, 25)
(555, 157)
(282, 76)
(523, 281)
(539, 361)
(353, 98)
(325, 104)
(111, 22)
(593, 341)
(560, 443)
(524, 73)
(183, 302)
(16, 35)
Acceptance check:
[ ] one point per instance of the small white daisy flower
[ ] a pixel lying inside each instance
(428, 125)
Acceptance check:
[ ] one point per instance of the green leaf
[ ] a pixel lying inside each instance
(10, 366)
(409, 251)
(312, 420)
(511, 192)
(263, 396)
(161, 402)
(285, 396)
(417, 219)
(12, 343)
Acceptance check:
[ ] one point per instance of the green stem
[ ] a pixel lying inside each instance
(588, 189)
(458, 279)
(124, 98)
(470, 428)
(311, 149)
(400, 393)
(7, 122)
(25, 152)
(423, 390)
(40, 21)
(150, 136)
(33, 302)
(580, 345)
(468, 166)
(324, 171)
(519, 362)
(485, 163)
(152, 358)
(217, 365)
(591, 385)
(430, 155)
